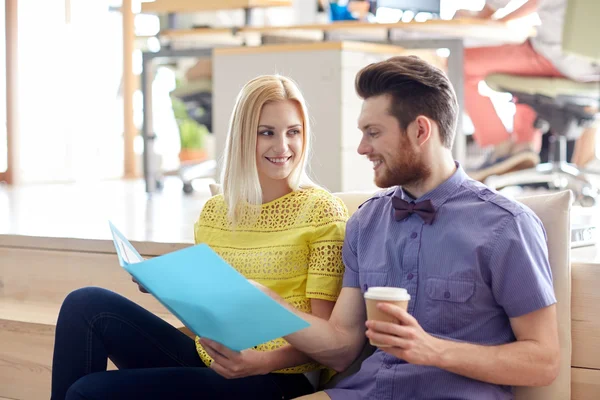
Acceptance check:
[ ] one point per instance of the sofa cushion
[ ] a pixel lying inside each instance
(554, 211)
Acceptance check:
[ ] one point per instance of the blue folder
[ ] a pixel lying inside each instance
(209, 296)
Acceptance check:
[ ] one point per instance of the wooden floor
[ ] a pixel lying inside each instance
(83, 210)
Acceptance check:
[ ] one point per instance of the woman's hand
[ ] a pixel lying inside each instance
(232, 364)
(140, 287)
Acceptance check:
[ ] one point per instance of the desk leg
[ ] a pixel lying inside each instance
(247, 16)
(457, 77)
(149, 158)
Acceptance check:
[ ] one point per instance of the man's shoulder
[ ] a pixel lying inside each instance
(378, 199)
(497, 202)
(370, 209)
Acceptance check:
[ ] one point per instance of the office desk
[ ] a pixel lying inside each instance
(469, 29)
(432, 34)
(190, 6)
(179, 6)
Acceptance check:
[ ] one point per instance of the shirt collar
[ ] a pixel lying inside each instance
(441, 193)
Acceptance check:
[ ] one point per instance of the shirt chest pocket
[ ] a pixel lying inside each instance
(449, 304)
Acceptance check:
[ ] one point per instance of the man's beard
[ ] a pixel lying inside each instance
(409, 169)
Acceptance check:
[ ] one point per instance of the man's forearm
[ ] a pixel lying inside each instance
(324, 343)
(521, 363)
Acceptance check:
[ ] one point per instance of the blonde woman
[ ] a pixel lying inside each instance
(273, 225)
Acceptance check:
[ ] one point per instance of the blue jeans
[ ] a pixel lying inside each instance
(155, 360)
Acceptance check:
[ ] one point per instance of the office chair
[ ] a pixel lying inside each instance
(197, 96)
(564, 107)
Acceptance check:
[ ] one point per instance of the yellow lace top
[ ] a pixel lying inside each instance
(294, 247)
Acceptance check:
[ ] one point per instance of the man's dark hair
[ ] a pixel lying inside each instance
(417, 88)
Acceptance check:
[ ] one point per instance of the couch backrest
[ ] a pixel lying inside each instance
(554, 210)
(354, 199)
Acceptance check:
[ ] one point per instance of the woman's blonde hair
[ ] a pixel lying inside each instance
(240, 174)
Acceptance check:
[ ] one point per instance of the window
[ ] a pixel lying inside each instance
(3, 136)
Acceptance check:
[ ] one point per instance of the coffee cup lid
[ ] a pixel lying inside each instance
(387, 293)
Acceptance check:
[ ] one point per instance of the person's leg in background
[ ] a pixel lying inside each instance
(584, 152)
(510, 151)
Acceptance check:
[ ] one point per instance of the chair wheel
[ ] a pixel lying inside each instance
(588, 197)
(587, 201)
(542, 125)
(188, 188)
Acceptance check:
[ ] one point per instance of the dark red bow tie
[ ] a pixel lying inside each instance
(403, 209)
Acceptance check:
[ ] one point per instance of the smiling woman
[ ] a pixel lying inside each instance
(268, 124)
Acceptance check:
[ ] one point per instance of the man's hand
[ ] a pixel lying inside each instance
(232, 364)
(408, 339)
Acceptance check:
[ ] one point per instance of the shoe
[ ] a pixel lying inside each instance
(503, 165)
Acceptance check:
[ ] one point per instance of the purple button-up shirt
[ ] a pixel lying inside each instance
(483, 260)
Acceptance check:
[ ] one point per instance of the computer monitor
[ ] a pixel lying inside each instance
(416, 6)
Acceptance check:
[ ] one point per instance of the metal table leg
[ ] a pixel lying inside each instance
(148, 135)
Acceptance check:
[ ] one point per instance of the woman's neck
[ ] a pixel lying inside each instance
(272, 190)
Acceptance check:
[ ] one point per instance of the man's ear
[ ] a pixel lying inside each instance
(424, 129)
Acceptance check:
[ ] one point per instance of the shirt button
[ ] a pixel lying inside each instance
(413, 235)
(388, 366)
(447, 295)
(409, 276)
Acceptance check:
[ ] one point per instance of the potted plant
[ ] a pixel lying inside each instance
(191, 134)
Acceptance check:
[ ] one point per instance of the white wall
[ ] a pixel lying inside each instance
(326, 78)
(3, 148)
(317, 74)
